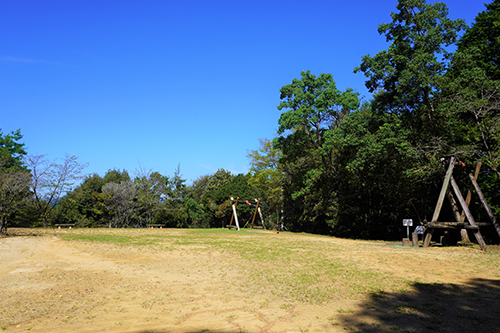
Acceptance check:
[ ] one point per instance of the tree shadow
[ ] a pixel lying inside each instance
(470, 307)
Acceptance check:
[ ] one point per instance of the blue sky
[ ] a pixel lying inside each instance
(154, 84)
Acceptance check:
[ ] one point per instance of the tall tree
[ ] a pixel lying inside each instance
(218, 179)
(312, 107)
(11, 151)
(472, 96)
(14, 191)
(485, 36)
(173, 212)
(472, 90)
(152, 189)
(406, 75)
(266, 173)
(14, 178)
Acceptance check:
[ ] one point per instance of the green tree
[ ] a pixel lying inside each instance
(485, 36)
(218, 179)
(266, 173)
(152, 188)
(409, 80)
(85, 205)
(14, 178)
(14, 191)
(11, 151)
(472, 96)
(313, 107)
(374, 187)
(472, 90)
(198, 188)
(174, 212)
(407, 74)
(116, 176)
(196, 216)
(219, 200)
(81, 205)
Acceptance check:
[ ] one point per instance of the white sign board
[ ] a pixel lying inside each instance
(419, 229)
(407, 222)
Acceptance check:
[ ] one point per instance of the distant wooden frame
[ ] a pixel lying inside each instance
(234, 204)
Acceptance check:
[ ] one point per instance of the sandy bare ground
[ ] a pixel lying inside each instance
(48, 284)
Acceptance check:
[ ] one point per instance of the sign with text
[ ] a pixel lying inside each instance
(419, 230)
(407, 222)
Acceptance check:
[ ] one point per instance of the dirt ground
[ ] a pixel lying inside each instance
(51, 285)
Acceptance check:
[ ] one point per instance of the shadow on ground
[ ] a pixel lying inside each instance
(471, 307)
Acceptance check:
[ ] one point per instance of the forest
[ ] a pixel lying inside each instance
(338, 165)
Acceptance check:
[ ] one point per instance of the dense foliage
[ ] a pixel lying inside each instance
(337, 166)
(358, 172)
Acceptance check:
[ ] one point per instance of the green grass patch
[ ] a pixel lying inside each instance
(301, 268)
(102, 238)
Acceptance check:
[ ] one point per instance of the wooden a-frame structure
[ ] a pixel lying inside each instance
(460, 218)
(234, 217)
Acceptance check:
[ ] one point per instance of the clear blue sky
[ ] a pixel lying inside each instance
(153, 84)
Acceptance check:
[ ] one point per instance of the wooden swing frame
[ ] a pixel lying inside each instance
(460, 218)
(234, 204)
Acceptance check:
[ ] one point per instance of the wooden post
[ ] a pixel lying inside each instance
(446, 183)
(485, 204)
(468, 214)
(469, 194)
(454, 207)
(456, 214)
(255, 212)
(439, 204)
(234, 214)
(262, 220)
(463, 232)
(414, 239)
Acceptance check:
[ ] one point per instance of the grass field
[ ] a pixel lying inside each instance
(218, 280)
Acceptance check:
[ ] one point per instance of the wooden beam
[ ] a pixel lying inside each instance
(485, 203)
(468, 214)
(243, 202)
(451, 226)
(255, 212)
(234, 214)
(463, 233)
(454, 207)
(446, 183)
(262, 219)
(469, 193)
(439, 203)
(479, 224)
(458, 218)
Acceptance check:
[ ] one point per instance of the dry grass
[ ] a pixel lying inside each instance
(162, 280)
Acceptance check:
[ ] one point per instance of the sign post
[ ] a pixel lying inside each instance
(408, 223)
